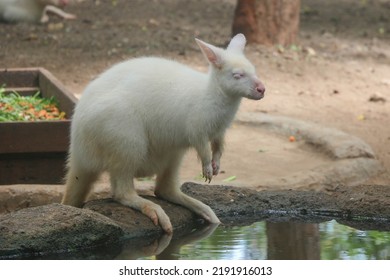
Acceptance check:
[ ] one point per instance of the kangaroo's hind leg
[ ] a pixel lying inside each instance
(168, 188)
(125, 193)
(78, 185)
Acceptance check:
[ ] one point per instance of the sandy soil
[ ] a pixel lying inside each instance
(337, 75)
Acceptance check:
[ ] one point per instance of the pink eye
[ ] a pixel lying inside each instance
(238, 76)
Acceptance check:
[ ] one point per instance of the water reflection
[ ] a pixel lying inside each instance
(166, 247)
(268, 240)
(293, 241)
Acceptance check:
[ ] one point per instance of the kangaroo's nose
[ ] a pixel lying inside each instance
(260, 88)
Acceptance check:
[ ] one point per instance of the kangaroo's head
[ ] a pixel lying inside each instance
(231, 70)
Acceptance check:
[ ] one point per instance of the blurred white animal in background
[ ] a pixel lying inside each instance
(32, 10)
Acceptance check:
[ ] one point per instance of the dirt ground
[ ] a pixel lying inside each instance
(337, 75)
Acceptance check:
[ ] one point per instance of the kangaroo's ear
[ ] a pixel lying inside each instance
(212, 53)
(237, 43)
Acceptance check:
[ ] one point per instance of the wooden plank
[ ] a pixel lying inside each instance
(19, 77)
(51, 86)
(38, 168)
(23, 91)
(37, 136)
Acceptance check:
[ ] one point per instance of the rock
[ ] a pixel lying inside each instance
(230, 203)
(52, 229)
(16, 197)
(136, 224)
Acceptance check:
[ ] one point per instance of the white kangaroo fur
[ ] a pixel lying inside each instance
(139, 118)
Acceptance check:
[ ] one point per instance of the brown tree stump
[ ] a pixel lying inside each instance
(267, 22)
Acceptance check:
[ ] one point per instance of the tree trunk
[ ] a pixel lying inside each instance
(267, 22)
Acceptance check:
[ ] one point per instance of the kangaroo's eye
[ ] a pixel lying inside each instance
(238, 75)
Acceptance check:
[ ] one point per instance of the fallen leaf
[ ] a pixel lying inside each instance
(309, 51)
(361, 117)
(229, 179)
(55, 26)
(31, 37)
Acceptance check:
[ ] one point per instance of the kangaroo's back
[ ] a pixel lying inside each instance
(158, 96)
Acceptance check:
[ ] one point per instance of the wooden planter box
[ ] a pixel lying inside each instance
(35, 152)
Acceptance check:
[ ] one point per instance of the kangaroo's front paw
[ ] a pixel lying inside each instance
(215, 165)
(208, 172)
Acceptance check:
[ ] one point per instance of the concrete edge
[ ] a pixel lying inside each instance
(353, 160)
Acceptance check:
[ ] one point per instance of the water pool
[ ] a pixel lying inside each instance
(268, 240)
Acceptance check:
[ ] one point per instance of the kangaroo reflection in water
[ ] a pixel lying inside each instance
(167, 247)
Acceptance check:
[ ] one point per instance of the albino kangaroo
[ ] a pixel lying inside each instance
(139, 118)
(32, 10)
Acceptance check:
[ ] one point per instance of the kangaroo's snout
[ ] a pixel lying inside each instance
(259, 90)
